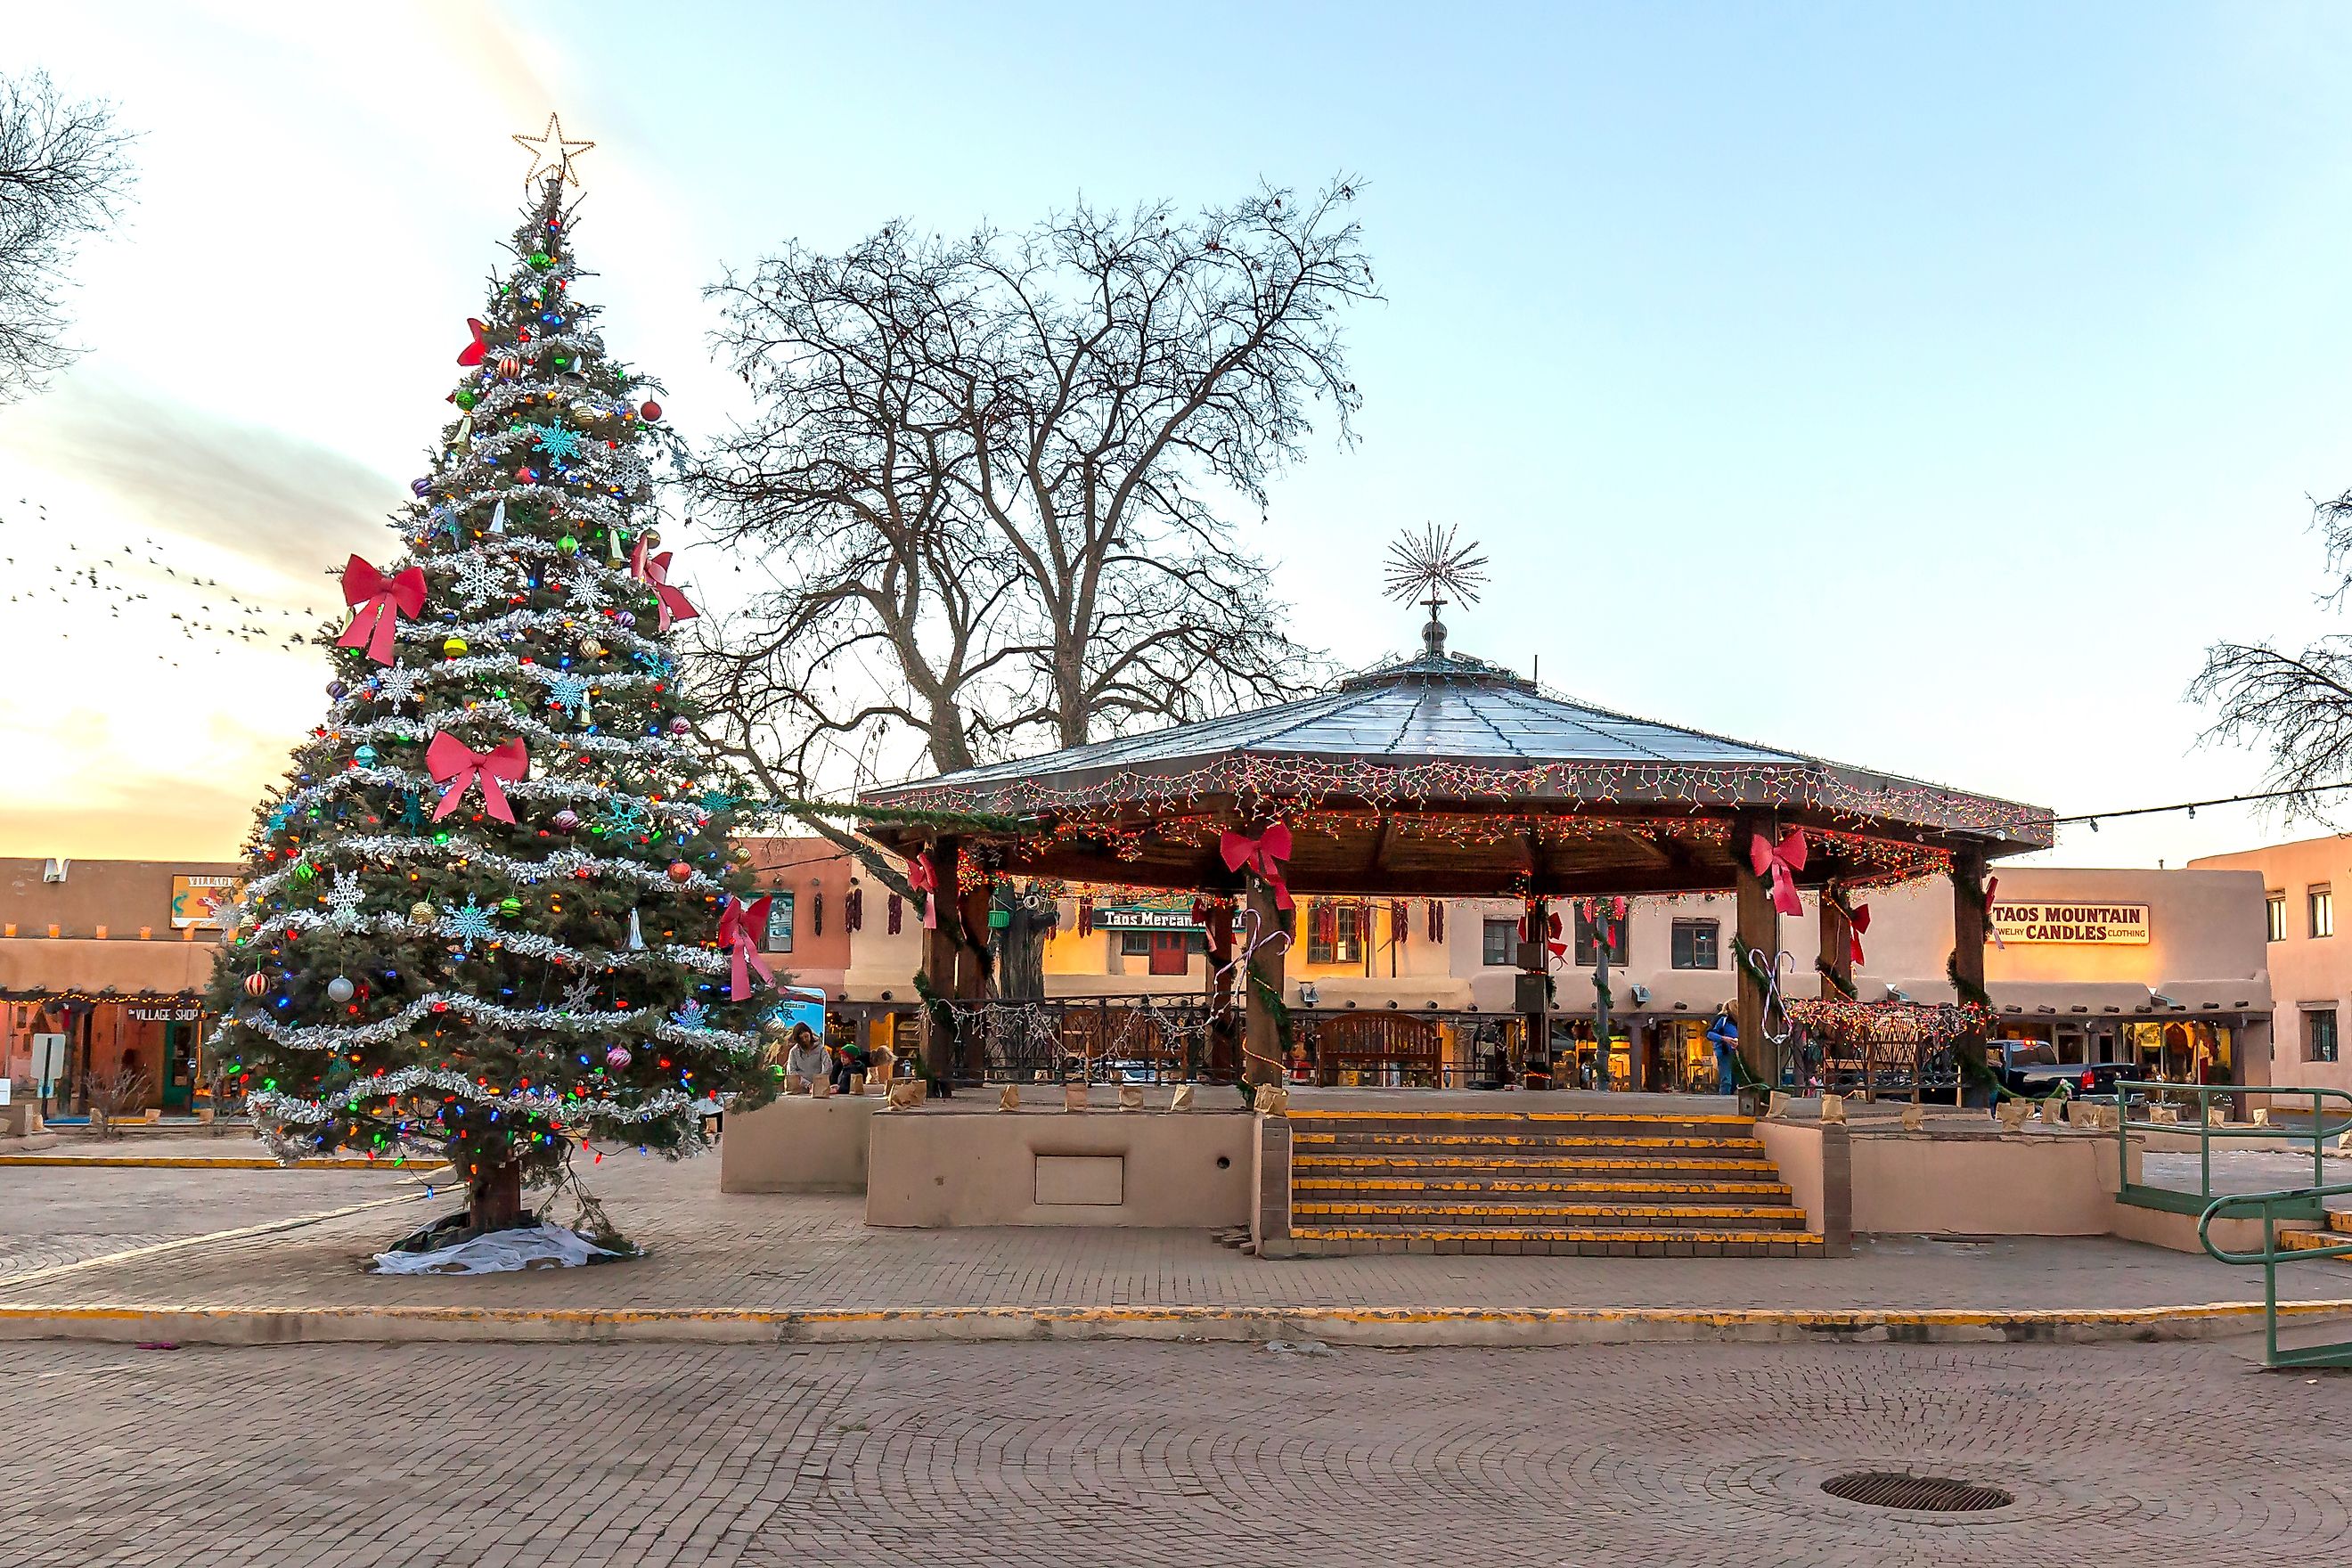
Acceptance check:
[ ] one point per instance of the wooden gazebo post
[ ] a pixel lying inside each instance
(941, 959)
(1968, 915)
(1261, 1034)
(1757, 928)
(1220, 933)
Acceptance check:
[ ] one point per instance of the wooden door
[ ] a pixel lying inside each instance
(1168, 952)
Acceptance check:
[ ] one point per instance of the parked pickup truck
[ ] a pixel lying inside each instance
(2032, 1068)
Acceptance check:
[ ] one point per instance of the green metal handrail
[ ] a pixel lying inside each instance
(2164, 1197)
(2290, 1203)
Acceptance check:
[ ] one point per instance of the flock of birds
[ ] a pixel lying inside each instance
(104, 577)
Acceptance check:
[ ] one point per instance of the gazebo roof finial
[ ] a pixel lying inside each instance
(1428, 567)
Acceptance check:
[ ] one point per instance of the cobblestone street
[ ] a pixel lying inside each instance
(437, 1456)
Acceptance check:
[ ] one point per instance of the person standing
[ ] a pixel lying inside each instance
(1723, 1034)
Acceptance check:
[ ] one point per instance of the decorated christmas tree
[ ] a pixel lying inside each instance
(492, 912)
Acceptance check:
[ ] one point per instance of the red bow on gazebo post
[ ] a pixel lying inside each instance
(653, 572)
(926, 881)
(1857, 921)
(740, 926)
(1780, 862)
(453, 762)
(1263, 854)
(376, 601)
(1991, 930)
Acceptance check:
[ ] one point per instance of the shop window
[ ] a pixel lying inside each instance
(2319, 906)
(1134, 944)
(2274, 917)
(1586, 947)
(2319, 1034)
(1695, 943)
(1499, 946)
(780, 922)
(1335, 935)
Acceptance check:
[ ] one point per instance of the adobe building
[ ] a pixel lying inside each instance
(103, 965)
(2311, 970)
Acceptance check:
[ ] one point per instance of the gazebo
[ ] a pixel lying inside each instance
(1443, 776)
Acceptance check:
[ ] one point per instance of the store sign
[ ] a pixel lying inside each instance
(166, 1014)
(780, 922)
(1129, 917)
(199, 901)
(2072, 924)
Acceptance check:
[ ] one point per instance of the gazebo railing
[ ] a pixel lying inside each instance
(1098, 1039)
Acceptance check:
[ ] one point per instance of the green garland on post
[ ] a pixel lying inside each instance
(942, 1018)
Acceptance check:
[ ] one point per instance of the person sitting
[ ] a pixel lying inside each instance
(805, 1062)
(850, 1061)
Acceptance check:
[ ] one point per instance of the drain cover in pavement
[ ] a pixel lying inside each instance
(1932, 1494)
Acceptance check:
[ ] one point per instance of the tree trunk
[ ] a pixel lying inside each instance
(1021, 963)
(494, 1200)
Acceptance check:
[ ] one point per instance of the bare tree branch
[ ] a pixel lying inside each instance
(65, 171)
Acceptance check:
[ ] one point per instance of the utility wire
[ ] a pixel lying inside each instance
(2190, 805)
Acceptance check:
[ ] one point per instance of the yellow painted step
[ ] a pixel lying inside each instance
(1546, 1116)
(1800, 1238)
(1667, 1213)
(1526, 1162)
(2317, 1241)
(1452, 1140)
(1409, 1185)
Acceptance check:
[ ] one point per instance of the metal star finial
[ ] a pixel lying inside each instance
(1431, 567)
(550, 154)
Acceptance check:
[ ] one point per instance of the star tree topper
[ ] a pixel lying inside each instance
(1431, 568)
(550, 154)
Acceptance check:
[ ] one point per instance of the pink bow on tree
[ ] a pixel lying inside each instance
(654, 570)
(926, 881)
(1263, 854)
(1780, 862)
(740, 926)
(453, 762)
(472, 352)
(376, 601)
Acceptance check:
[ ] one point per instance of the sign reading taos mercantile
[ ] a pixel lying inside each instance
(2083, 924)
(1134, 917)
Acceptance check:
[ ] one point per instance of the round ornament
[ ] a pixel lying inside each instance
(339, 989)
(591, 649)
(618, 1057)
(336, 690)
(679, 871)
(569, 545)
(542, 260)
(422, 913)
(420, 488)
(652, 411)
(624, 619)
(650, 538)
(304, 871)
(566, 821)
(257, 983)
(366, 756)
(526, 476)
(741, 854)
(510, 905)
(466, 398)
(453, 646)
(681, 725)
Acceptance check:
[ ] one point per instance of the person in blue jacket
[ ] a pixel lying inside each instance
(1724, 1035)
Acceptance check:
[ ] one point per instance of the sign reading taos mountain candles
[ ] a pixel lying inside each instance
(2082, 924)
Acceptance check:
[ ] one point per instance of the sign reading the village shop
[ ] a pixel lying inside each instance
(2073, 924)
(1130, 917)
(166, 1014)
(199, 901)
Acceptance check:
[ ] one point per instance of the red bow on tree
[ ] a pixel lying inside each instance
(1780, 862)
(376, 601)
(474, 352)
(654, 570)
(926, 881)
(740, 926)
(1263, 854)
(453, 762)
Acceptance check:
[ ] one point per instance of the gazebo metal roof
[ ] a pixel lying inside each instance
(1447, 774)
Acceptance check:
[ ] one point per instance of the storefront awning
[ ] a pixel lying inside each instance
(2089, 1000)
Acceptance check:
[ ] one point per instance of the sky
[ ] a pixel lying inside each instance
(1921, 387)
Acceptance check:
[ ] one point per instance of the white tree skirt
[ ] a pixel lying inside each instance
(539, 1246)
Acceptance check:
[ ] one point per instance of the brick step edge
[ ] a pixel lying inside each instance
(1681, 1243)
(1423, 1216)
(1396, 1188)
(1440, 1142)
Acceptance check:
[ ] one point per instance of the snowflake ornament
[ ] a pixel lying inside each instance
(622, 816)
(395, 686)
(579, 996)
(569, 692)
(557, 442)
(583, 591)
(344, 900)
(481, 578)
(689, 1015)
(469, 923)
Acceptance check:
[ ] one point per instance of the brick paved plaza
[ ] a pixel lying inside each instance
(1071, 1456)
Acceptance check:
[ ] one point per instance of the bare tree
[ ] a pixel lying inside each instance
(115, 1096)
(992, 478)
(65, 171)
(2298, 705)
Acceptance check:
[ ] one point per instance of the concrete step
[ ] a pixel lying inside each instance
(1605, 1144)
(1339, 1241)
(2317, 1241)
(1550, 1167)
(1525, 1127)
(1356, 1213)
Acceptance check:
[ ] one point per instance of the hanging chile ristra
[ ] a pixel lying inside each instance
(484, 915)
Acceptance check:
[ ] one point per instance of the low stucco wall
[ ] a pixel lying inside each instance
(1983, 1183)
(1796, 1148)
(938, 1167)
(797, 1144)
